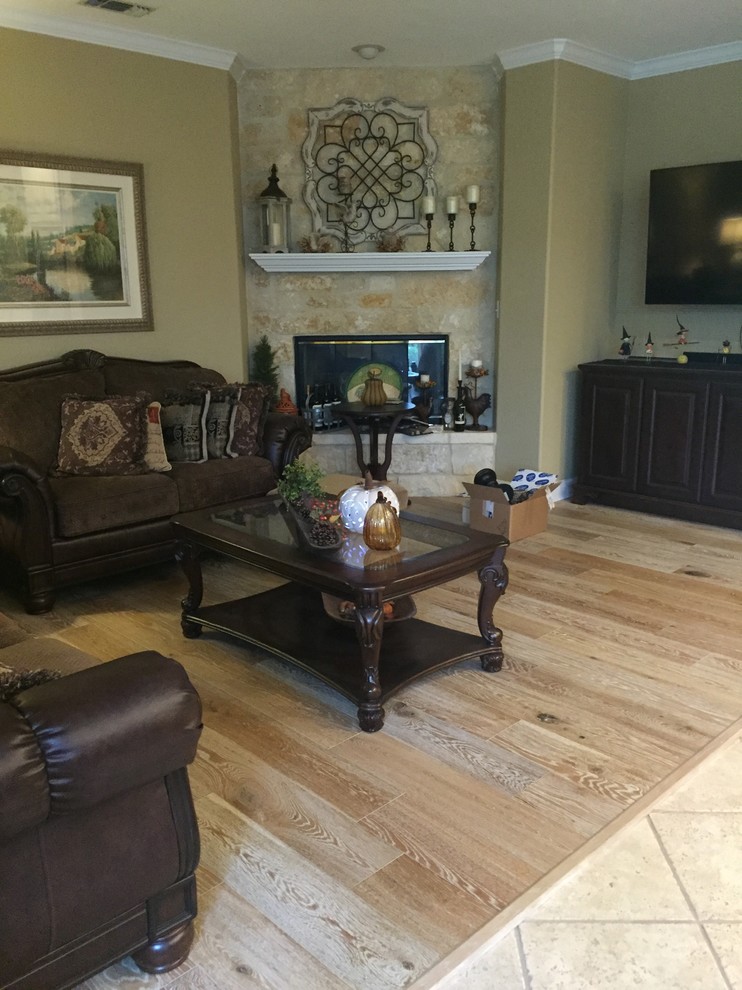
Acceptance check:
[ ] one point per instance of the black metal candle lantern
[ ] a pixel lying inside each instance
(275, 217)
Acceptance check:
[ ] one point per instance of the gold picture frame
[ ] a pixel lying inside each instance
(73, 246)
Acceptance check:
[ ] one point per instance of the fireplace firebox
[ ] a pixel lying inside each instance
(413, 369)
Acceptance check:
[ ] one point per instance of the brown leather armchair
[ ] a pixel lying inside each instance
(98, 835)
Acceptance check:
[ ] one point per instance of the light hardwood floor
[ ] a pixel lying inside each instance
(332, 858)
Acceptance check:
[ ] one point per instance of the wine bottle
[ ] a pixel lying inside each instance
(459, 410)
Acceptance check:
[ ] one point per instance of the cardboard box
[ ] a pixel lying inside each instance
(490, 512)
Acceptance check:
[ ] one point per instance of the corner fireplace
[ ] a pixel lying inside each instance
(413, 368)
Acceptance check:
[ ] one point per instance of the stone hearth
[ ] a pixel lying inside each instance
(432, 464)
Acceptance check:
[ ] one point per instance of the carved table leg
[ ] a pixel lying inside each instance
(493, 578)
(189, 559)
(369, 629)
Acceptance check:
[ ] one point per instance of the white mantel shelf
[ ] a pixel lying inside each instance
(373, 261)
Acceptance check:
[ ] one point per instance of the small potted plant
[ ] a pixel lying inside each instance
(300, 478)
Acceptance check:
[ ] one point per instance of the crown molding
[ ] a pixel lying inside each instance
(568, 51)
(572, 51)
(699, 58)
(115, 37)
(513, 58)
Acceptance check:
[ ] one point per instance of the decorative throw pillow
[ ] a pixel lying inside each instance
(15, 681)
(155, 458)
(183, 418)
(219, 416)
(250, 414)
(102, 436)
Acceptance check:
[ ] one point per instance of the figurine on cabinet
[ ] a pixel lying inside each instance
(627, 344)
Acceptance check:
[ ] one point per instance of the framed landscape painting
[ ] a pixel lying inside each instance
(73, 247)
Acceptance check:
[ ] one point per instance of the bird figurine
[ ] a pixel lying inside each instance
(475, 405)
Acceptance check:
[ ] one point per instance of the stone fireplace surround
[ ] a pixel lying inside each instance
(380, 292)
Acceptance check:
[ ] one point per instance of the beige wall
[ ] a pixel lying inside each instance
(681, 119)
(178, 120)
(464, 106)
(563, 155)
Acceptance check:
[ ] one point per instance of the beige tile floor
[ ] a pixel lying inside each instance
(658, 908)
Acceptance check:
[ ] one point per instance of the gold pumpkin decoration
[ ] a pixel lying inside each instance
(381, 529)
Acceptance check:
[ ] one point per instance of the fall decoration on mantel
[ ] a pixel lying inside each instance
(390, 242)
(315, 244)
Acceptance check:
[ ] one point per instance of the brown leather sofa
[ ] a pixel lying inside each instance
(57, 531)
(98, 836)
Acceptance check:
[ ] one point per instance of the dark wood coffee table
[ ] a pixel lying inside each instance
(366, 657)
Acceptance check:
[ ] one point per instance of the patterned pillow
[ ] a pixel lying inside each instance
(155, 458)
(102, 436)
(250, 414)
(219, 416)
(183, 418)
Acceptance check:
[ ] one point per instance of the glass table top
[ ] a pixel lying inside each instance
(269, 521)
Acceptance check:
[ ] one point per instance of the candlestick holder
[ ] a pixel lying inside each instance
(424, 401)
(476, 404)
(472, 211)
(429, 224)
(451, 222)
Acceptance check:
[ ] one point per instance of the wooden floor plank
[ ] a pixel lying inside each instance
(293, 813)
(348, 936)
(334, 859)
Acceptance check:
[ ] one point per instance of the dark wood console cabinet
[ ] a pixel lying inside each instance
(662, 437)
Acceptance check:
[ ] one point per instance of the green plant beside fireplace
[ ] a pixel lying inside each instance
(264, 367)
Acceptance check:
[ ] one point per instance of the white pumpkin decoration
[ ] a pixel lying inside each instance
(358, 499)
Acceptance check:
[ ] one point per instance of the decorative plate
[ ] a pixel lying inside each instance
(390, 377)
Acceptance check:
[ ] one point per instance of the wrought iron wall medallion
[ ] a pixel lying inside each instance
(367, 165)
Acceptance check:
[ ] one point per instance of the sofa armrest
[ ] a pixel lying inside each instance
(284, 438)
(14, 461)
(75, 742)
(22, 481)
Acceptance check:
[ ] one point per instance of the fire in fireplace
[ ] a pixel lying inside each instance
(413, 368)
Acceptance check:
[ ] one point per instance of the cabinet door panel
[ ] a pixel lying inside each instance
(610, 431)
(671, 445)
(722, 471)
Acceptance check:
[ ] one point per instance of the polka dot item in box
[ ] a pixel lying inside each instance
(525, 480)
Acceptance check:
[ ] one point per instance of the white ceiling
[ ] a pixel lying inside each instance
(626, 37)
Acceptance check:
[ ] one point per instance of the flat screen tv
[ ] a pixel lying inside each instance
(694, 244)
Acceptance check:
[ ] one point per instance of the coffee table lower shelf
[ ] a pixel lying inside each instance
(290, 622)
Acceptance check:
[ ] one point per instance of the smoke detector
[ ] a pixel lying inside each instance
(119, 7)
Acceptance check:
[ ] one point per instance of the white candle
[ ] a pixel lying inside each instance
(428, 205)
(424, 379)
(476, 364)
(460, 375)
(452, 205)
(274, 235)
(472, 194)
